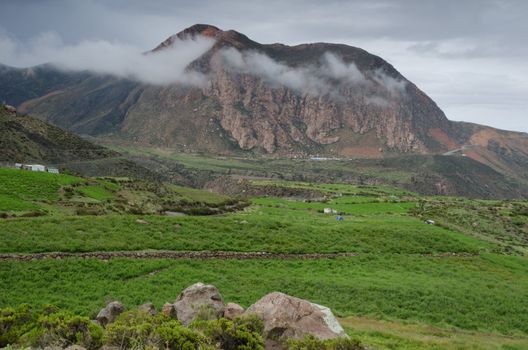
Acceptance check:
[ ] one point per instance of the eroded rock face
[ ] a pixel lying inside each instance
(199, 300)
(289, 317)
(109, 313)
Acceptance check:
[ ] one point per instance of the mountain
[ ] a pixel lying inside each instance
(265, 99)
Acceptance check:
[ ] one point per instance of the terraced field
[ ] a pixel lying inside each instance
(444, 286)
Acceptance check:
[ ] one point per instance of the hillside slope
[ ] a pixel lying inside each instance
(26, 139)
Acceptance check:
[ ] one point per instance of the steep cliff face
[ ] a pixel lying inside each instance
(325, 99)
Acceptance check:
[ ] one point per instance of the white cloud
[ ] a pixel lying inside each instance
(326, 78)
(125, 61)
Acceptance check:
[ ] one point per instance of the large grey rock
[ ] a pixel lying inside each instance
(109, 313)
(286, 317)
(199, 300)
(232, 311)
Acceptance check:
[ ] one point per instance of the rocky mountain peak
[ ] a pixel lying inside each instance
(223, 38)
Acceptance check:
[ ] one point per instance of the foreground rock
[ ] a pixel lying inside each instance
(168, 310)
(232, 311)
(109, 313)
(199, 301)
(148, 308)
(289, 317)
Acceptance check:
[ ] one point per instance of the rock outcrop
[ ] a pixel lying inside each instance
(109, 313)
(199, 300)
(289, 317)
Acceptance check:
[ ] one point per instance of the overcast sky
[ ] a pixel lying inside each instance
(470, 56)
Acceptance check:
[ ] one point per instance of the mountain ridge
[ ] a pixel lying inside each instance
(329, 100)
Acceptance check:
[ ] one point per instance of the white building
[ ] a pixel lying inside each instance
(53, 170)
(37, 167)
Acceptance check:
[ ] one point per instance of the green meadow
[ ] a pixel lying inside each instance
(442, 286)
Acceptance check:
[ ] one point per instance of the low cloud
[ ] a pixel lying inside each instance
(327, 78)
(330, 76)
(103, 57)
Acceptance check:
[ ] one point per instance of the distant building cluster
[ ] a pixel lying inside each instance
(37, 167)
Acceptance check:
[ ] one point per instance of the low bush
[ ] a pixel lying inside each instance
(132, 330)
(176, 337)
(63, 328)
(240, 334)
(14, 323)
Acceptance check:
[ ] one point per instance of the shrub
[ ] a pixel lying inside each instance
(14, 323)
(312, 343)
(176, 337)
(63, 328)
(240, 334)
(132, 330)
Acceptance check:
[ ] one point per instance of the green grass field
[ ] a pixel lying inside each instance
(435, 286)
(486, 293)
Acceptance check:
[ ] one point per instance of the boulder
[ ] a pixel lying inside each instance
(109, 313)
(199, 300)
(168, 310)
(286, 317)
(148, 308)
(232, 311)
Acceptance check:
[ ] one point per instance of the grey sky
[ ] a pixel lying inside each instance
(470, 56)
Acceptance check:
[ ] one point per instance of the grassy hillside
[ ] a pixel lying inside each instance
(452, 285)
(27, 140)
(25, 193)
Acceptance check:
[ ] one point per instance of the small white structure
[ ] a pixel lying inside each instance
(36, 167)
(430, 222)
(329, 211)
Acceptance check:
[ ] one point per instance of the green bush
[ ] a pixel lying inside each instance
(312, 343)
(240, 334)
(132, 330)
(176, 337)
(14, 323)
(63, 328)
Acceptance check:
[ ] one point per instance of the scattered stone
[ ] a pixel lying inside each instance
(168, 310)
(199, 301)
(232, 311)
(148, 308)
(285, 317)
(175, 213)
(141, 221)
(10, 108)
(109, 313)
